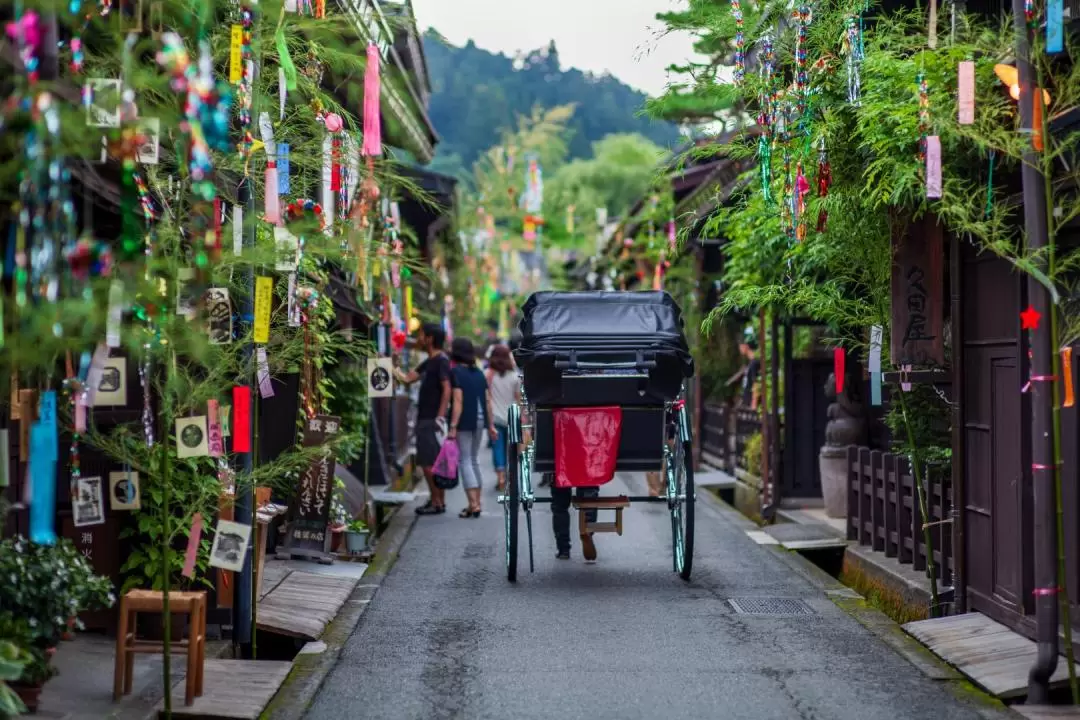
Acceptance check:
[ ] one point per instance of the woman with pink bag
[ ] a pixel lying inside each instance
(472, 404)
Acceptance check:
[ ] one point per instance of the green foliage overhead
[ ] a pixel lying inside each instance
(476, 92)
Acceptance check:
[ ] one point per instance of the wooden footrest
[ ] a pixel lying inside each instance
(606, 527)
(608, 503)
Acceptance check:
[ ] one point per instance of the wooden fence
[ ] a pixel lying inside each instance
(884, 512)
(724, 432)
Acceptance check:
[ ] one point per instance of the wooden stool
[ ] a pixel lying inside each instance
(136, 601)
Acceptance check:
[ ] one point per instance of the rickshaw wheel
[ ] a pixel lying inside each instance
(510, 509)
(682, 512)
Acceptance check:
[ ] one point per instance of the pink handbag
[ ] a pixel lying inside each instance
(445, 469)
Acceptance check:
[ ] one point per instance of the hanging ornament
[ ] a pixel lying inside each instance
(788, 208)
(851, 46)
(802, 189)
(802, 19)
(966, 92)
(764, 157)
(740, 42)
(671, 234)
(824, 179)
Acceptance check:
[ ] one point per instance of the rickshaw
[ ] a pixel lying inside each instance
(603, 379)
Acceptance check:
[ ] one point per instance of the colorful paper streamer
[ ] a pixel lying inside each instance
(241, 423)
(264, 292)
(838, 369)
(1067, 375)
(966, 92)
(933, 166)
(192, 551)
(42, 472)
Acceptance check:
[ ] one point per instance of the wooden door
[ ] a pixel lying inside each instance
(997, 511)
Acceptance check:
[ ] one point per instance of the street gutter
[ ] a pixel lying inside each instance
(317, 659)
(878, 623)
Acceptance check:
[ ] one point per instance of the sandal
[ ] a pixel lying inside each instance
(467, 512)
(475, 513)
(430, 509)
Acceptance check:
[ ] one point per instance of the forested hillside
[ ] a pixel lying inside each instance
(477, 93)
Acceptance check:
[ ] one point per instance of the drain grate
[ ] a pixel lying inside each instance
(770, 606)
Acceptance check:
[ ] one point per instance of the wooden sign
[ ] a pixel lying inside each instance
(917, 295)
(309, 536)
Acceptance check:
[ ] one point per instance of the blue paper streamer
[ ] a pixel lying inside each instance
(1054, 30)
(875, 389)
(43, 457)
(283, 168)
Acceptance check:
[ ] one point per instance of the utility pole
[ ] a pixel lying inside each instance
(1041, 394)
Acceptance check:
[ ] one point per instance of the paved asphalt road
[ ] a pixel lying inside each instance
(447, 636)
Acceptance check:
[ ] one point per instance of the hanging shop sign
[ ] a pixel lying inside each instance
(309, 535)
(917, 295)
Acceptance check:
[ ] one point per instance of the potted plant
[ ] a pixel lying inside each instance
(13, 659)
(339, 516)
(356, 535)
(44, 586)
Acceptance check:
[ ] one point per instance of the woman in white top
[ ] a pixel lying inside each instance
(505, 390)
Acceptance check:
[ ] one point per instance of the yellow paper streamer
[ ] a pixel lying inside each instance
(264, 291)
(236, 59)
(408, 303)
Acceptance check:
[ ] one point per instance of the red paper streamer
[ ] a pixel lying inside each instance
(241, 426)
(838, 369)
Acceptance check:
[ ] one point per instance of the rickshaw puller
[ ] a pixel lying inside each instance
(560, 520)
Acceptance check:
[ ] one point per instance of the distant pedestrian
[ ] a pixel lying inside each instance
(505, 389)
(470, 418)
(431, 408)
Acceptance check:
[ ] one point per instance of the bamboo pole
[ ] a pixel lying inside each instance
(920, 492)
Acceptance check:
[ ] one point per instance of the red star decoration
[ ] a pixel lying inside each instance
(1029, 319)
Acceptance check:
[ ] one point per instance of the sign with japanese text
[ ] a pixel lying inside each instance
(264, 295)
(308, 530)
(918, 314)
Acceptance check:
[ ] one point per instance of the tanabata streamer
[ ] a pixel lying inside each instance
(213, 429)
(1067, 374)
(1055, 10)
(966, 92)
(933, 167)
(236, 63)
(838, 369)
(264, 291)
(874, 365)
(192, 546)
(42, 472)
(241, 424)
(372, 128)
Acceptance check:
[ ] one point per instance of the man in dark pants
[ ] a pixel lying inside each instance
(560, 520)
(435, 388)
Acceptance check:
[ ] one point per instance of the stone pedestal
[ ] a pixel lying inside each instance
(834, 480)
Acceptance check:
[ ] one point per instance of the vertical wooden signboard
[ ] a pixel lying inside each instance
(917, 295)
(309, 535)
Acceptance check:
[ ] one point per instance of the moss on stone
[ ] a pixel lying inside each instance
(881, 596)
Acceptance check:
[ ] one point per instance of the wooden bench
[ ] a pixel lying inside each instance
(134, 602)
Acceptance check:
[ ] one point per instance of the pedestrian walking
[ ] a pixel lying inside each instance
(469, 420)
(505, 389)
(432, 405)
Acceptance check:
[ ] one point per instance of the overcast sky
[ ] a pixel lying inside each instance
(618, 36)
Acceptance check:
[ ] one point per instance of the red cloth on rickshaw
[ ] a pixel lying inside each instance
(586, 445)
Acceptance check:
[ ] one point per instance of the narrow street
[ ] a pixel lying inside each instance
(448, 637)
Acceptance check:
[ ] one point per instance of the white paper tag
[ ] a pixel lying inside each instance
(265, 388)
(380, 377)
(288, 247)
(874, 364)
(116, 314)
(294, 307)
(266, 130)
(282, 91)
(93, 377)
(238, 229)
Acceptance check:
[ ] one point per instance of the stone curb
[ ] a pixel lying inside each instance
(317, 659)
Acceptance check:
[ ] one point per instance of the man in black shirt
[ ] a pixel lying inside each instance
(431, 408)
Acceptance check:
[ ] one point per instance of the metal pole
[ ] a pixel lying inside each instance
(1042, 444)
(242, 614)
